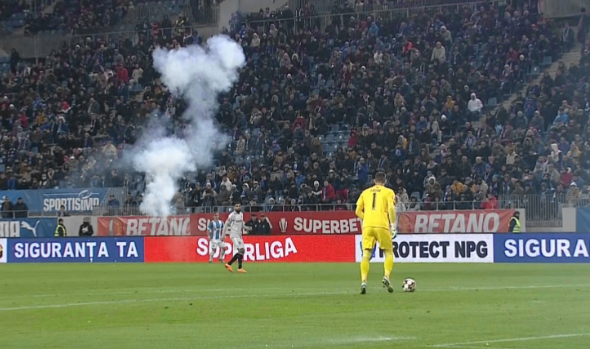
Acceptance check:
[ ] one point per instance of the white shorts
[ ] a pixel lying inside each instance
(238, 242)
(214, 244)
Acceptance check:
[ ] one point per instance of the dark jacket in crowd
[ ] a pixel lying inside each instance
(264, 227)
(86, 229)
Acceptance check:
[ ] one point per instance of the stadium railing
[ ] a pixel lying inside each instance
(41, 45)
(540, 210)
(15, 214)
(543, 210)
(562, 8)
(328, 6)
(378, 11)
(133, 210)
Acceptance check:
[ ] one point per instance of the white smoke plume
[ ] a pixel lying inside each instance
(198, 74)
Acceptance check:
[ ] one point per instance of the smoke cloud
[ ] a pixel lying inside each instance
(197, 74)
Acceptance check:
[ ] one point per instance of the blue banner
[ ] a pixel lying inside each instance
(50, 200)
(76, 250)
(583, 219)
(28, 227)
(542, 248)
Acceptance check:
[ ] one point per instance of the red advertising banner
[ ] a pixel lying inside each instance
(144, 226)
(312, 222)
(473, 221)
(290, 223)
(298, 248)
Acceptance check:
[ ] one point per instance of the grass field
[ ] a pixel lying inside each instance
(148, 306)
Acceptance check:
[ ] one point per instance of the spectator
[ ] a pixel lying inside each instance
(7, 209)
(475, 106)
(62, 212)
(439, 54)
(328, 194)
(253, 225)
(264, 225)
(86, 228)
(567, 35)
(21, 210)
(491, 203)
(112, 202)
(313, 107)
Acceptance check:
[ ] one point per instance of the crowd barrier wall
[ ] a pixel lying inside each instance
(408, 248)
(583, 220)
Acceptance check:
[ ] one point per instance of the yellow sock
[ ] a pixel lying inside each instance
(365, 265)
(388, 265)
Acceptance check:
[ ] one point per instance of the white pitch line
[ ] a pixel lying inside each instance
(495, 288)
(152, 292)
(200, 289)
(331, 342)
(508, 340)
(175, 299)
(482, 347)
(197, 297)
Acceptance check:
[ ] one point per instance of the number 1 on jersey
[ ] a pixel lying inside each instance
(374, 201)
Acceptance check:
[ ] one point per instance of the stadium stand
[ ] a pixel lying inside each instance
(317, 112)
(75, 17)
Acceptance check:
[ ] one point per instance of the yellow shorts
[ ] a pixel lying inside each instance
(381, 235)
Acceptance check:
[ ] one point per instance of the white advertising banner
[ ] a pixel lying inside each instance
(435, 248)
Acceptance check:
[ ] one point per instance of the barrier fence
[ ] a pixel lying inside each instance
(562, 8)
(41, 45)
(382, 12)
(328, 6)
(541, 210)
(134, 210)
(416, 248)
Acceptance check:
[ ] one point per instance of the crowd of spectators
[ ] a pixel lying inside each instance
(10, 7)
(81, 17)
(400, 95)
(77, 17)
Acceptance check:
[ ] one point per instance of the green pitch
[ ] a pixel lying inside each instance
(182, 306)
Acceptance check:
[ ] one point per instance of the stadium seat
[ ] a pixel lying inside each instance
(547, 61)
(492, 102)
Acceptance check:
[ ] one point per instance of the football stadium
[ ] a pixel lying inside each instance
(294, 174)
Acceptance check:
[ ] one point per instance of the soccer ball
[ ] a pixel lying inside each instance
(409, 285)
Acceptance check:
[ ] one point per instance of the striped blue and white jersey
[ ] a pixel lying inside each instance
(215, 230)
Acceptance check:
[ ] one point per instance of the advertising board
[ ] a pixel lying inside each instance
(542, 248)
(311, 223)
(28, 227)
(300, 223)
(435, 248)
(50, 200)
(75, 250)
(3, 250)
(472, 221)
(583, 219)
(296, 248)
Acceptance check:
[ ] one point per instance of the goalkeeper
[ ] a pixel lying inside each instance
(376, 208)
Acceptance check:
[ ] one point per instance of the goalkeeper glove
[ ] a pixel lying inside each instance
(393, 230)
